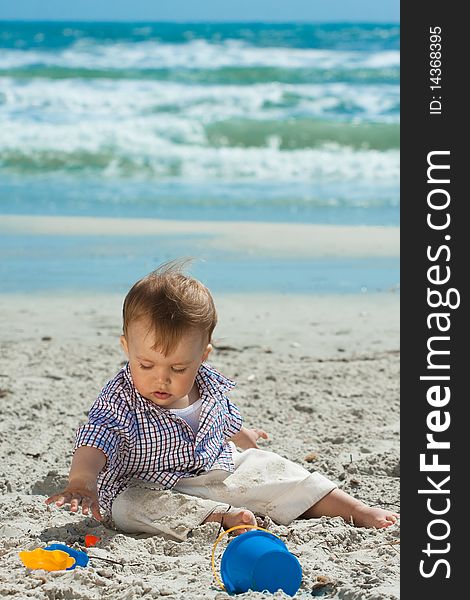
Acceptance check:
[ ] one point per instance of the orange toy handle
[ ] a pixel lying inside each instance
(214, 570)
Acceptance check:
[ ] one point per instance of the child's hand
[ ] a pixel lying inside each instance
(253, 435)
(247, 438)
(79, 493)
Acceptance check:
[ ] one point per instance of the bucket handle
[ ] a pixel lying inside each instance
(214, 570)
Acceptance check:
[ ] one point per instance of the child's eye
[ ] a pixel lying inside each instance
(178, 370)
(144, 366)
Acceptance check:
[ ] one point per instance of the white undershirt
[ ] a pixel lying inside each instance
(190, 414)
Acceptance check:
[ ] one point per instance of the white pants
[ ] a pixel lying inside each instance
(263, 482)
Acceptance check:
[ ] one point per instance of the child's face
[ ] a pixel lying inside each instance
(164, 380)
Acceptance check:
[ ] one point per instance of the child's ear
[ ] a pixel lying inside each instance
(123, 341)
(207, 351)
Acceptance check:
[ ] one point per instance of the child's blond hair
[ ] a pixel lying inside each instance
(173, 302)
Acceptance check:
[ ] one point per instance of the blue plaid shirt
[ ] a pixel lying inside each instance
(144, 441)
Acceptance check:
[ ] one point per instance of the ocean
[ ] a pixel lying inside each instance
(241, 122)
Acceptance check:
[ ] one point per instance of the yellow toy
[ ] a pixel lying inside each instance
(50, 560)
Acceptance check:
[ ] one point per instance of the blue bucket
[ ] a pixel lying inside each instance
(258, 561)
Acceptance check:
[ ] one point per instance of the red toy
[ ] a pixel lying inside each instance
(91, 540)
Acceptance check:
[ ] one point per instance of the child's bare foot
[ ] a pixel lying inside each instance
(369, 516)
(339, 504)
(235, 516)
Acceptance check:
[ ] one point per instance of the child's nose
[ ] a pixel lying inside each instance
(163, 377)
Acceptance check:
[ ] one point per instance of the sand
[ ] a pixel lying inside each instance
(319, 374)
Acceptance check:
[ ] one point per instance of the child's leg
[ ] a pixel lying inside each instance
(275, 486)
(144, 508)
(339, 504)
(263, 482)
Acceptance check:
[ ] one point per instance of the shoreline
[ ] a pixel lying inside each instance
(247, 237)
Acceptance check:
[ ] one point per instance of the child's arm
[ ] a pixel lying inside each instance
(247, 438)
(81, 490)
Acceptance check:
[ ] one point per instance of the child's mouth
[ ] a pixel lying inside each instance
(161, 395)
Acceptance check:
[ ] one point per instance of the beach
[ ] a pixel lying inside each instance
(319, 374)
(268, 154)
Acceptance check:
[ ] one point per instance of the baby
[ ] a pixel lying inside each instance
(160, 451)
